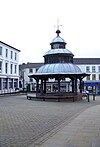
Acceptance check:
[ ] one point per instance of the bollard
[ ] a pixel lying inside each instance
(93, 97)
(88, 97)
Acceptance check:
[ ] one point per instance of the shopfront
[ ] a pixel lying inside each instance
(92, 86)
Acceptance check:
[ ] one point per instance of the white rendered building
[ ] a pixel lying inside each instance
(9, 68)
(26, 70)
(92, 67)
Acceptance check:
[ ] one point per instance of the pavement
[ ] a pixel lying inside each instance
(35, 123)
(83, 131)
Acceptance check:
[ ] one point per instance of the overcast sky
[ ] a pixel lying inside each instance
(28, 25)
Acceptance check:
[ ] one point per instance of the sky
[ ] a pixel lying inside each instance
(30, 26)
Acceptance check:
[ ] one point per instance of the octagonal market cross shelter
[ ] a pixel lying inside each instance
(59, 77)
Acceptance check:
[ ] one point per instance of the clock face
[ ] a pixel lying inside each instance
(55, 46)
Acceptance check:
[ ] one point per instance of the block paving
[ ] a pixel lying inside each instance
(33, 123)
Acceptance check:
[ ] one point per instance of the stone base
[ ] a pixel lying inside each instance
(78, 97)
(59, 96)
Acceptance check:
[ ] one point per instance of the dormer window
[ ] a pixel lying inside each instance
(57, 46)
(62, 46)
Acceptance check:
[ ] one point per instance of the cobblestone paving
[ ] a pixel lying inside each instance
(25, 123)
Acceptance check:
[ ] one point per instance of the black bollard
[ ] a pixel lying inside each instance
(88, 97)
(93, 97)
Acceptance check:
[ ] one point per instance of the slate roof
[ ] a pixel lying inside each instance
(86, 61)
(58, 39)
(9, 46)
(30, 65)
(56, 51)
(58, 68)
(75, 60)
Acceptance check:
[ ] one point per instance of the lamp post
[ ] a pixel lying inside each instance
(23, 79)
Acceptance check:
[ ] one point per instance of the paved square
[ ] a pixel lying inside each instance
(25, 123)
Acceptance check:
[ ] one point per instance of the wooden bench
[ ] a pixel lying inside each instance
(31, 95)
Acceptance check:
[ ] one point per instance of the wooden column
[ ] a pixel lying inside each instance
(75, 85)
(41, 88)
(58, 84)
(37, 85)
(80, 85)
(44, 86)
(72, 85)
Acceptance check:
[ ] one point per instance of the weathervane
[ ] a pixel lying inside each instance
(58, 31)
(58, 24)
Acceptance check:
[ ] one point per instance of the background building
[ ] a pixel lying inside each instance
(87, 65)
(92, 67)
(24, 71)
(9, 68)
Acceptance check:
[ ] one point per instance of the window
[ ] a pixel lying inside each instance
(61, 46)
(0, 50)
(36, 69)
(55, 46)
(98, 68)
(11, 68)
(15, 56)
(0, 66)
(11, 55)
(93, 69)
(88, 78)
(30, 70)
(6, 67)
(87, 68)
(31, 80)
(6, 52)
(93, 77)
(99, 76)
(15, 69)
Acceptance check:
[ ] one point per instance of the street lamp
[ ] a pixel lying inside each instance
(23, 79)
